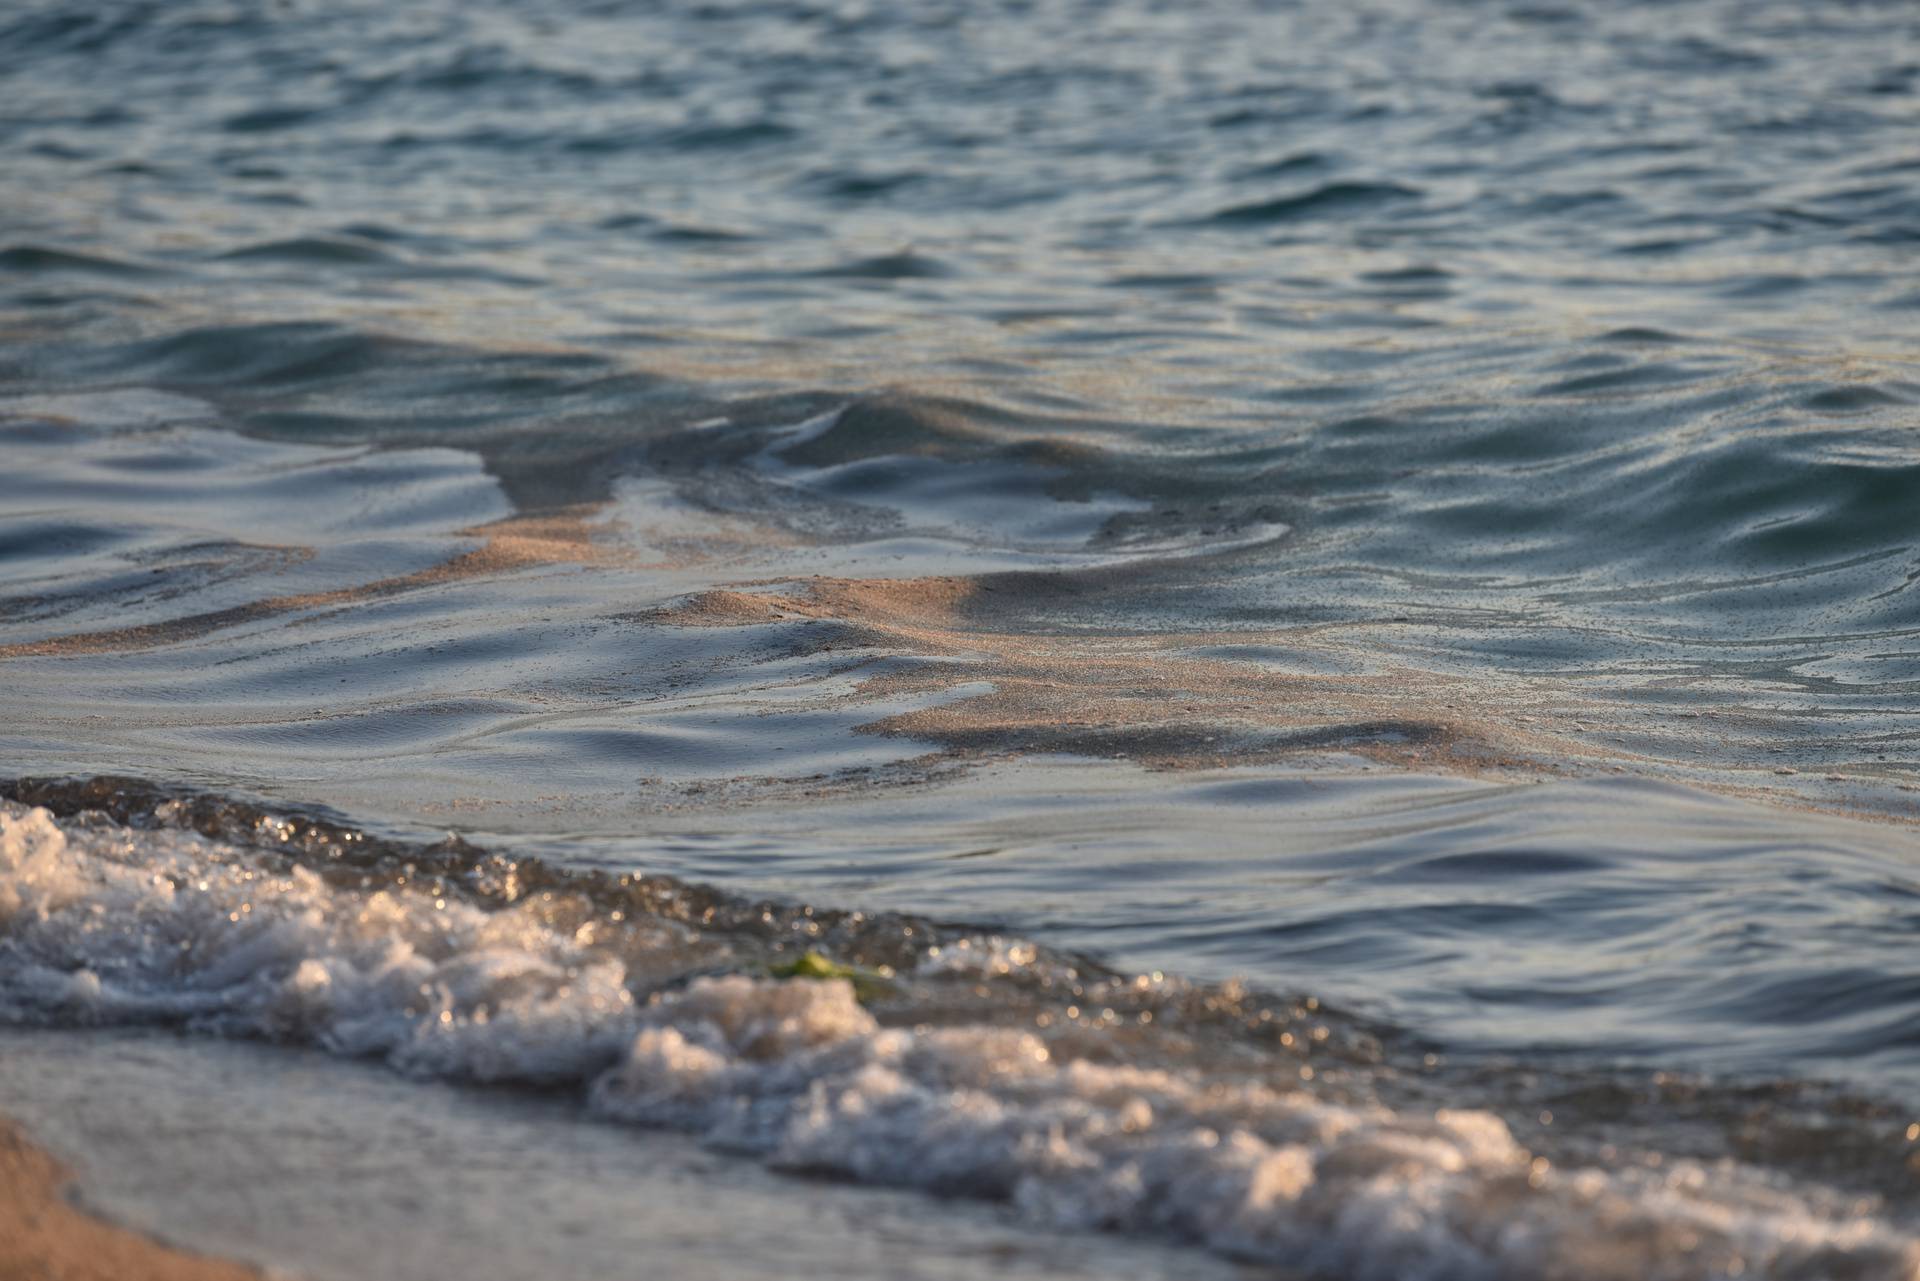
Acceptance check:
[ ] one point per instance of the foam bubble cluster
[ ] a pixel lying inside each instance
(105, 924)
(806, 1077)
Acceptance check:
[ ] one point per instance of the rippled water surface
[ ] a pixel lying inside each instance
(1407, 504)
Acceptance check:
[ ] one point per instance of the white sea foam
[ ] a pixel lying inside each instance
(806, 1076)
(103, 924)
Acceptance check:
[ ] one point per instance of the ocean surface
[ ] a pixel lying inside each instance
(1204, 639)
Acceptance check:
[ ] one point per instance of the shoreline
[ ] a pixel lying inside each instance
(46, 1236)
(259, 1151)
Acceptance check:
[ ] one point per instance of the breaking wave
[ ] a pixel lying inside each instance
(972, 1065)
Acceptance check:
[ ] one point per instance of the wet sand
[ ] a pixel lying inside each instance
(45, 1237)
(265, 1152)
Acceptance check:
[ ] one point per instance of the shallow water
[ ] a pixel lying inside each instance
(1409, 504)
(286, 1146)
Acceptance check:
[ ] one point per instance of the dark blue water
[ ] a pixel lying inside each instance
(1413, 502)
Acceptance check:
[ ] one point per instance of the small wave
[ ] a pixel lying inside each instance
(483, 69)
(861, 185)
(271, 119)
(985, 1067)
(38, 259)
(1856, 399)
(1184, 281)
(272, 355)
(687, 138)
(1629, 380)
(293, 357)
(1662, 246)
(683, 234)
(752, 133)
(63, 32)
(1420, 274)
(322, 250)
(1333, 199)
(672, 233)
(808, 1079)
(1298, 162)
(1637, 334)
(382, 233)
(906, 425)
(904, 265)
(1768, 285)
